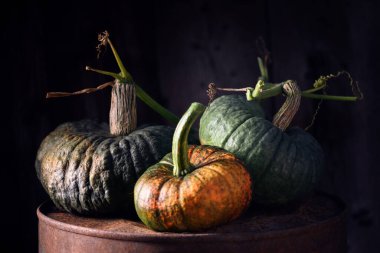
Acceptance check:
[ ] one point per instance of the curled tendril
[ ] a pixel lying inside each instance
(103, 39)
(315, 113)
(321, 82)
(354, 86)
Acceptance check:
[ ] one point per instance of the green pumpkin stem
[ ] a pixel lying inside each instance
(149, 101)
(263, 70)
(106, 73)
(285, 114)
(124, 73)
(181, 161)
(329, 97)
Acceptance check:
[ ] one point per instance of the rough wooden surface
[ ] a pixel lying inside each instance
(174, 49)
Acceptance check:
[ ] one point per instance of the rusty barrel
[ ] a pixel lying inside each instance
(316, 225)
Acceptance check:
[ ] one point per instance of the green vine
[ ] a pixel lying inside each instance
(265, 89)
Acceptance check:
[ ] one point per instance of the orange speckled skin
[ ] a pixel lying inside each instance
(217, 190)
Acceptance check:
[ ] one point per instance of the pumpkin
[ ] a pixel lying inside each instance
(90, 168)
(285, 164)
(194, 187)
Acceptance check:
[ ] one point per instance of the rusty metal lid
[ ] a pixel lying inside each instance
(316, 213)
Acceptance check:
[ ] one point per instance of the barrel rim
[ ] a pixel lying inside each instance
(194, 237)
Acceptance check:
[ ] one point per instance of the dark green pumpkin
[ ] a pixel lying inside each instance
(86, 170)
(284, 165)
(91, 168)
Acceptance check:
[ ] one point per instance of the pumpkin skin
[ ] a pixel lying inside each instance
(216, 191)
(86, 170)
(91, 168)
(285, 166)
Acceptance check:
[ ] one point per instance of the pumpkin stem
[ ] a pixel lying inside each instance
(290, 107)
(263, 70)
(180, 155)
(123, 116)
(103, 72)
(149, 101)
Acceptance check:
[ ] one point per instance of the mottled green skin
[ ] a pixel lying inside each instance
(284, 166)
(86, 170)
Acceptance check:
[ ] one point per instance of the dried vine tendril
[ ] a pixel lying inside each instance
(103, 39)
(321, 83)
(315, 113)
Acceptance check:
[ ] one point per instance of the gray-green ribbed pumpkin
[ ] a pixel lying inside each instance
(90, 168)
(86, 170)
(284, 165)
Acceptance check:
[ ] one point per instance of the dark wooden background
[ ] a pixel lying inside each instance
(174, 49)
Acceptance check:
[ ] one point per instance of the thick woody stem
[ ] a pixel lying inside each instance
(123, 116)
(290, 107)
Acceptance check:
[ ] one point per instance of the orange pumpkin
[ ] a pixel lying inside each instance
(194, 187)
